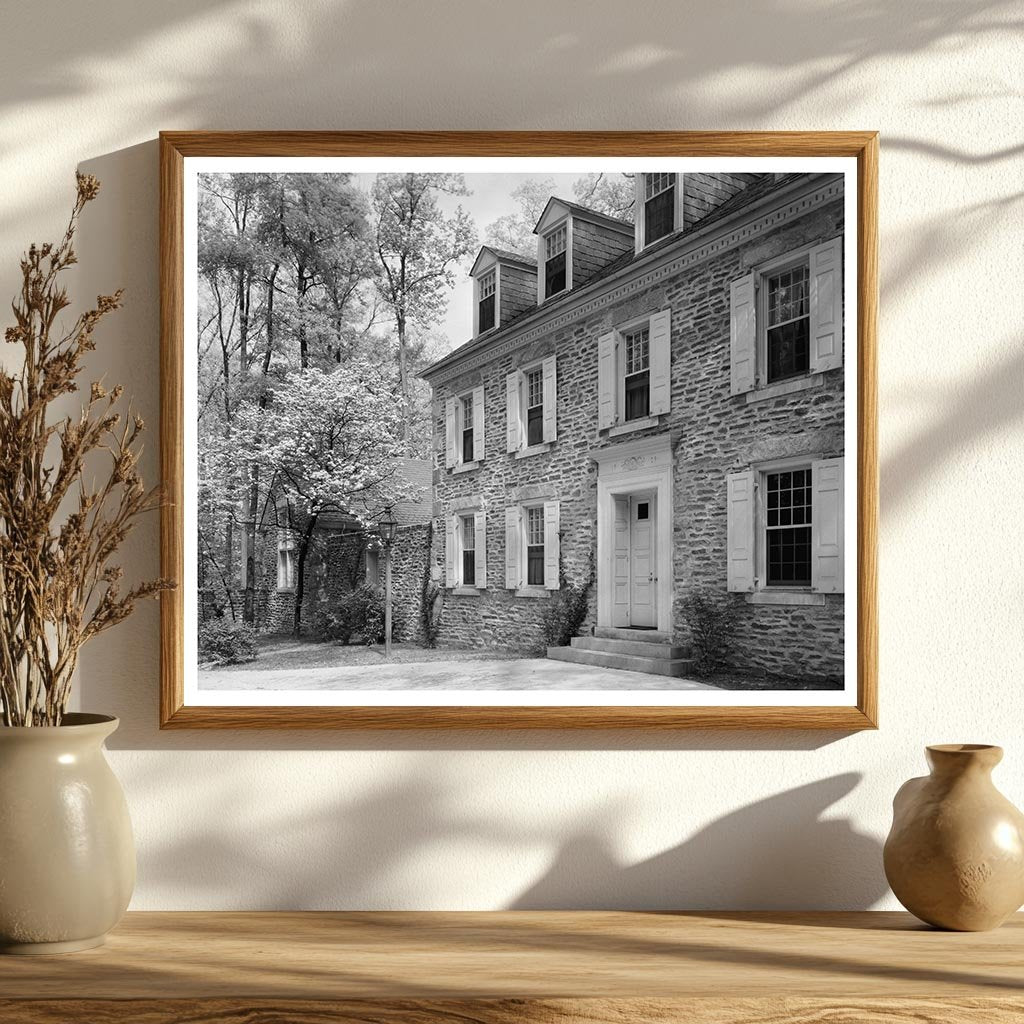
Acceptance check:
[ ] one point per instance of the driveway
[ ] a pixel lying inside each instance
(520, 674)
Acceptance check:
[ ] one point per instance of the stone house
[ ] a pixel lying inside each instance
(656, 405)
(342, 556)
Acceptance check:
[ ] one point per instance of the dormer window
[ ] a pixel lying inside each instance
(659, 206)
(555, 278)
(486, 306)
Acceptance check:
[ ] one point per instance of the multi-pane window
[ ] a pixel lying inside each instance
(554, 262)
(535, 546)
(637, 372)
(534, 406)
(286, 561)
(488, 287)
(659, 206)
(468, 525)
(788, 528)
(788, 323)
(467, 428)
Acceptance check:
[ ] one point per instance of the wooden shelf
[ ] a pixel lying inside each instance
(499, 968)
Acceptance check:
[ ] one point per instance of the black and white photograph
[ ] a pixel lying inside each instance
(542, 430)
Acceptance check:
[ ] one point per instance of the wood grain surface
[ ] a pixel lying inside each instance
(175, 147)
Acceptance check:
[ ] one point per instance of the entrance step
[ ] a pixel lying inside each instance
(644, 636)
(637, 648)
(658, 666)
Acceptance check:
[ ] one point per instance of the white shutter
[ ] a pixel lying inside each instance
(660, 337)
(740, 530)
(513, 425)
(827, 306)
(480, 542)
(478, 424)
(513, 571)
(827, 526)
(449, 552)
(450, 429)
(606, 380)
(551, 545)
(743, 334)
(550, 399)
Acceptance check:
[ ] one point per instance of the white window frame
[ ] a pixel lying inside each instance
(460, 426)
(478, 283)
(524, 543)
(287, 562)
(621, 355)
(372, 575)
(762, 470)
(542, 260)
(640, 189)
(787, 261)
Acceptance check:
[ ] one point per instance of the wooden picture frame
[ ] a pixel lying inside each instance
(178, 147)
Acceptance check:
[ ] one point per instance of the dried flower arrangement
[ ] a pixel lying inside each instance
(58, 586)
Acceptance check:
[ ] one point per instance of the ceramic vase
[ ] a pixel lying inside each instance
(955, 854)
(67, 858)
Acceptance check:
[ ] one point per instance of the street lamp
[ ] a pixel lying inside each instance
(387, 527)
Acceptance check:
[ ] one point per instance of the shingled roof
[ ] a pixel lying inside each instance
(761, 186)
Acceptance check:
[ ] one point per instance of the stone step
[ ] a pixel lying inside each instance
(635, 647)
(676, 667)
(643, 636)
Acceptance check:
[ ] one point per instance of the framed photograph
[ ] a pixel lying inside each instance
(519, 430)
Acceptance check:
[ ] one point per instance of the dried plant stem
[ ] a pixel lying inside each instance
(58, 585)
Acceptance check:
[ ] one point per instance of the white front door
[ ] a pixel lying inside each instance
(643, 610)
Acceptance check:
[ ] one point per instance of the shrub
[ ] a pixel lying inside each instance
(564, 614)
(358, 614)
(223, 642)
(711, 621)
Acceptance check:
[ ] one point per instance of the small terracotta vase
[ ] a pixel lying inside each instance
(955, 854)
(67, 859)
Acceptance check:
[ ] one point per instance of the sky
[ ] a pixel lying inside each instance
(489, 199)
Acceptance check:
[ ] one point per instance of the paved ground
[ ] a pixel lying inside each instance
(521, 674)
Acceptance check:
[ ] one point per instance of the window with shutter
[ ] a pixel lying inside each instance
(635, 373)
(786, 318)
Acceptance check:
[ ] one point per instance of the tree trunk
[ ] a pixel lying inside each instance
(300, 573)
(403, 378)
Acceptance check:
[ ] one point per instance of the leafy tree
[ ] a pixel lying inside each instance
(514, 231)
(418, 248)
(611, 194)
(330, 440)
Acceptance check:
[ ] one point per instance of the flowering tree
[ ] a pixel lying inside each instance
(329, 441)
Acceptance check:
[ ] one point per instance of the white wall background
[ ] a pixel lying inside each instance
(347, 820)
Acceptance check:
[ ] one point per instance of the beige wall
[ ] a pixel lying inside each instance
(493, 820)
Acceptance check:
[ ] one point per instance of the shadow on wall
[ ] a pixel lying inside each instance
(394, 847)
(776, 853)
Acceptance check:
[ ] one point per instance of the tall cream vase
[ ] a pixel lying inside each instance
(67, 858)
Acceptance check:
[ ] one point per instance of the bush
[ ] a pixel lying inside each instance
(358, 614)
(224, 642)
(564, 614)
(711, 621)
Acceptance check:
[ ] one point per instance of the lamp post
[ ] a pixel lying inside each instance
(387, 526)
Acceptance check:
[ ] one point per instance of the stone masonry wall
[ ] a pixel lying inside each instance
(712, 434)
